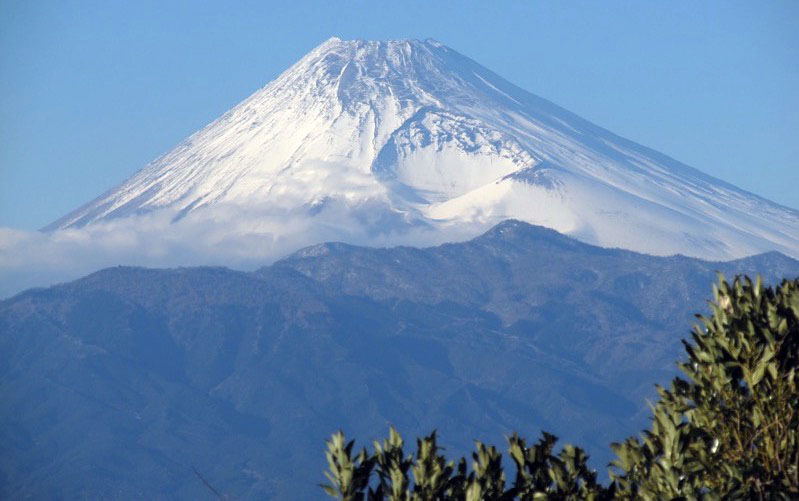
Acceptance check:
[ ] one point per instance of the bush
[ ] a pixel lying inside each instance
(729, 430)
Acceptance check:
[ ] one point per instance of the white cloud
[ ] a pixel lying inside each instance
(227, 236)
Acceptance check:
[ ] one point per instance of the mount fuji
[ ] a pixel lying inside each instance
(408, 137)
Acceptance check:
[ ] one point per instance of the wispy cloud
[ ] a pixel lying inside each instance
(227, 236)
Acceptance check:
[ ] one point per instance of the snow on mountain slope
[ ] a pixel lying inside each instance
(407, 134)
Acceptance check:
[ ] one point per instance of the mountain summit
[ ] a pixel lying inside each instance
(407, 134)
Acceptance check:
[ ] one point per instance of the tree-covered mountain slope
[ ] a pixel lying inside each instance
(123, 383)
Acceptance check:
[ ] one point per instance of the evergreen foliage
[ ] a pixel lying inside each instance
(728, 430)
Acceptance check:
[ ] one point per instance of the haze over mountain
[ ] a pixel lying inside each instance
(117, 385)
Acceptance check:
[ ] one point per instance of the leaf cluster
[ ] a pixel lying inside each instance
(730, 428)
(428, 475)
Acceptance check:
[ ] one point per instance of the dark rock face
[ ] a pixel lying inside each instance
(121, 383)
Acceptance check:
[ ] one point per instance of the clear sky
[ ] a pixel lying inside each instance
(92, 91)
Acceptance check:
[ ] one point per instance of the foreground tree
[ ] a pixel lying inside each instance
(729, 429)
(429, 476)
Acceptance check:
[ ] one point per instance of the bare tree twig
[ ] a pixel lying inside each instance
(207, 484)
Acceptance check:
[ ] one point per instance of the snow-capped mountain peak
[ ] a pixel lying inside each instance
(400, 134)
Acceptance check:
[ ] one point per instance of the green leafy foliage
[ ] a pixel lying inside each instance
(728, 430)
(349, 475)
(429, 476)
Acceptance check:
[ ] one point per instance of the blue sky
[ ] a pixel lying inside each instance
(92, 91)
